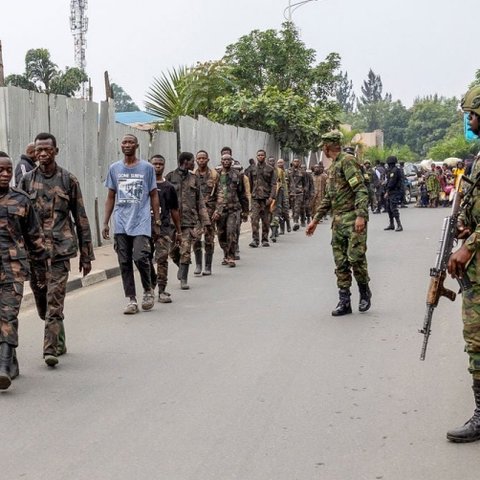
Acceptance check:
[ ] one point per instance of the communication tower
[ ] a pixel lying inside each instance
(79, 27)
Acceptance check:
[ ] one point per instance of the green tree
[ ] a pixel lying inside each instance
(344, 93)
(430, 120)
(272, 58)
(165, 97)
(456, 146)
(123, 101)
(42, 75)
(296, 123)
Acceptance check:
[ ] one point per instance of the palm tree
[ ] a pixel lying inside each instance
(165, 97)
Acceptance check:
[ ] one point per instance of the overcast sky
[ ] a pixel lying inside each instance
(418, 47)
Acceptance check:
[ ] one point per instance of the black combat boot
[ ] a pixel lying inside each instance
(365, 296)
(391, 225)
(289, 228)
(344, 306)
(184, 276)
(14, 368)
(198, 263)
(274, 234)
(470, 432)
(399, 226)
(62, 342)
(208, 264)
(6, 357)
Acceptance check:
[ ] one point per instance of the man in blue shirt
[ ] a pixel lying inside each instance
(132, 195)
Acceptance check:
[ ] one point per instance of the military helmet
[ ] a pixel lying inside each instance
(391, 160)
(334, 136)
(471, 100)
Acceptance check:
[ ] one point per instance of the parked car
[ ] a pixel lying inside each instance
(411, 181)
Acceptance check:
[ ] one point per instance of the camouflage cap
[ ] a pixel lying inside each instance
(334, 136)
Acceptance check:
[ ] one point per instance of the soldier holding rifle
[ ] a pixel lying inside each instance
(465, 264)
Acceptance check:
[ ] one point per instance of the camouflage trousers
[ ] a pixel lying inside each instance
(50, 302)
(471, 320)
(208, 240)
(183, 253)
(298, 206)
(227, 232)
(349, 251)
(260, 212)
(11, 295)
(160, 251)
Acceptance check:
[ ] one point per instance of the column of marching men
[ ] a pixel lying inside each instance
(156, 217)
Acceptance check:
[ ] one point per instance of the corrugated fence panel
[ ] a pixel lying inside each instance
(165, 143)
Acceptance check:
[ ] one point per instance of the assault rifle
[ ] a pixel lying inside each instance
(438, 273)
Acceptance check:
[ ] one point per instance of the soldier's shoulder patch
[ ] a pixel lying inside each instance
(353, 181)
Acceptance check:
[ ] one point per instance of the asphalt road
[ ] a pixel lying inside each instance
(247, 376)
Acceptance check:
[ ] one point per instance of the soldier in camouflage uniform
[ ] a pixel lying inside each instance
(307, 198)
(193, 213)
(298, 187)
(58, 201)
(208, 179)
(347, 198)
(466, 260)
(20, 233)
(232, 202)
(283, 198)
(319, 186)
(371, 182)
(263, 184)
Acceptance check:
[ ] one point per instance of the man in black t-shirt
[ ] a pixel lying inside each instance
(162, 247)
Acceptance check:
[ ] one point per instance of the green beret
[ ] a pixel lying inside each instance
(334, 136)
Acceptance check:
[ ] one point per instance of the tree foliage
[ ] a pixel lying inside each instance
(456, 146)
(42, 75)
(344, 93)
(430, 119)
(123, 101)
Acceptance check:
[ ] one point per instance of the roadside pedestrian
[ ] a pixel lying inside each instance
(193, 213)
(26, 164)
(465, 263)
(208, 180)
(132, 195)
(162, 246)
(21, 234)
(347, 198)
(57, 199)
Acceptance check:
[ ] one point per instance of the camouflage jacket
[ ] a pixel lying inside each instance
(231, 192)
(297, 180)
(20, 237)
(59, 205)
(346, 191)
(471, 217)
(190, 199)
(208, 187)
(263, 181)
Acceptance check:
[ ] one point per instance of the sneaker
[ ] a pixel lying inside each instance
(164, 297)
(296, 227)
(148, 300)
(50, 360)
(131, 308)
(253, 244)
(265, 244)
